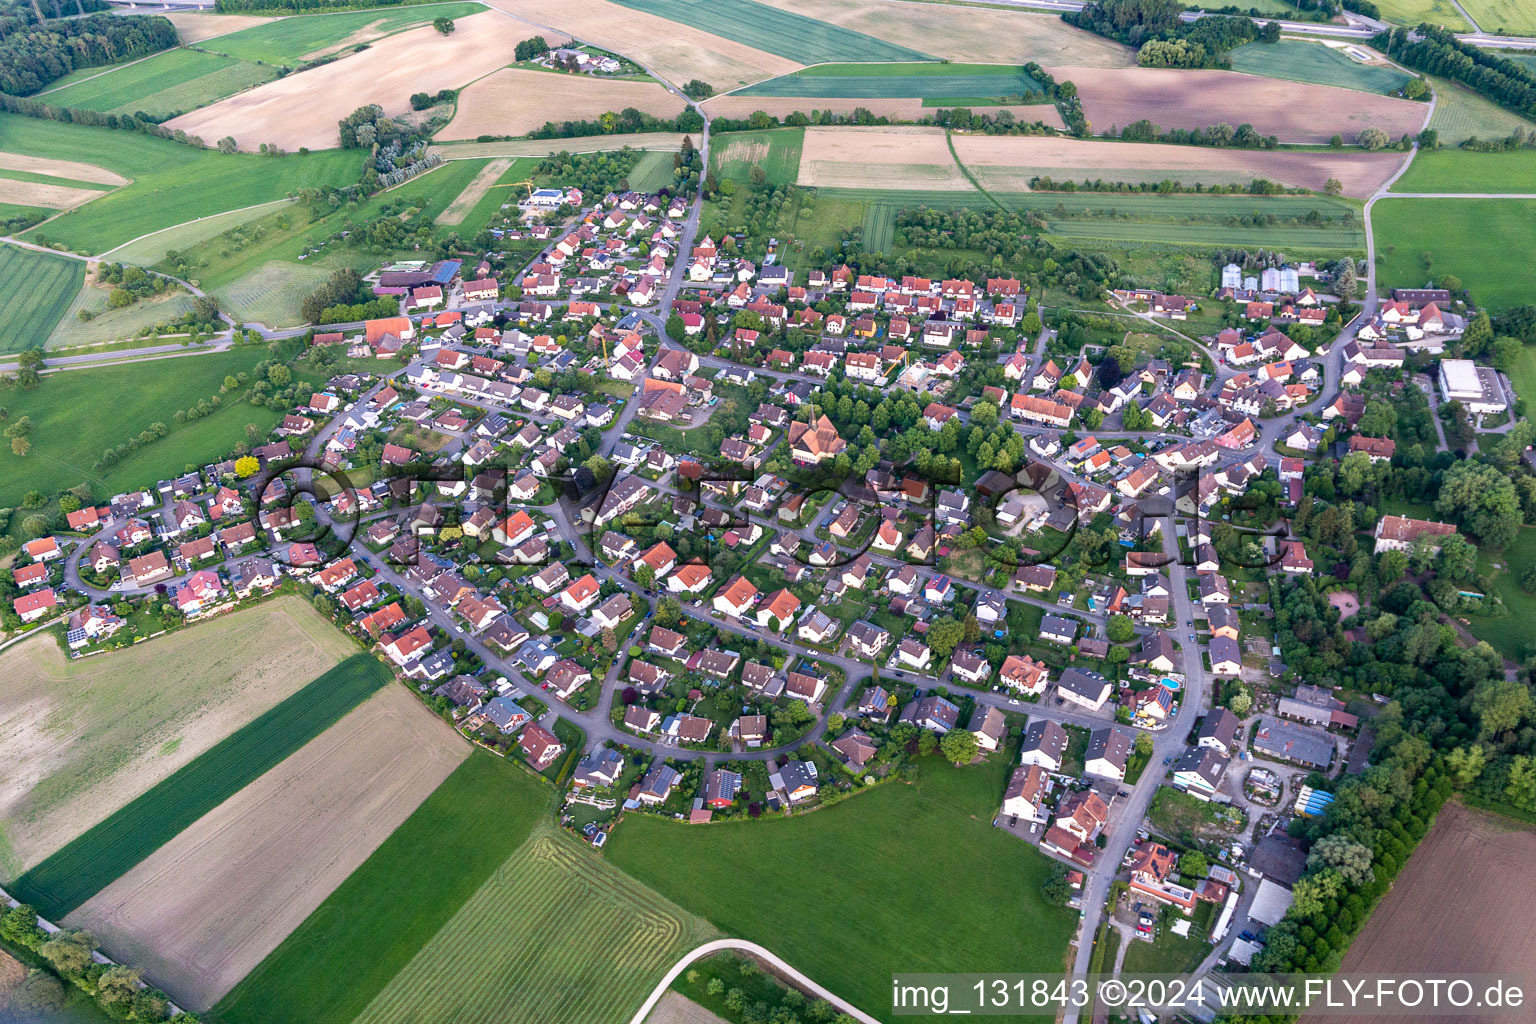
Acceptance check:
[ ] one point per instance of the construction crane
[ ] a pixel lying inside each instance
(513, 184)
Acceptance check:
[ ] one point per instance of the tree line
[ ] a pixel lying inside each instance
(1439, 52)
(33, 58)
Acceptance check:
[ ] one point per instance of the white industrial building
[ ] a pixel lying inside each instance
(1477, 388)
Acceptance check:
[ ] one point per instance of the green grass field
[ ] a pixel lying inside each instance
(288, 40)
(905, 878)
(890, 81)
(1298, 61)
(1414, 12)
(168, 83)
(538, 942)
(65, 443)
(1503, 17)
(653, 171)
(1526, 59)
(776, 151)
(1461, 114)
(171, 183)
(346, 952)
(103, 854)
(1460, 170)
(151, 249)
(1471, 238)
(1510, 634)
(108, 324)
(42, 288)
(776, 31)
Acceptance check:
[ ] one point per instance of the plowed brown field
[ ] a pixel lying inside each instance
(1292, 111)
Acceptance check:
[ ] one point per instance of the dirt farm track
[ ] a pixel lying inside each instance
(209, 906)
(1463, 903)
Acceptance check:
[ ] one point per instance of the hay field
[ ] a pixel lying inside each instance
(971, 33)
(420, 60)
(1440, 916)
(674, 51)
(907, 109)
(71, 169)
(194, 27)
(557, 934)
(513, 101)
(1293, 111)
(48, 196)
(209, 906)
(85, 737)
(1006, 163)
(676, 1008)
(898, 158)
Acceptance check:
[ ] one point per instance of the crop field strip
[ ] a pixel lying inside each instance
(538, 942)
(652, 172)
(288, 40)
(171, 82)
(29, 314)
(967, 32)
(333, 965)
(1317, 64)
(88, 735)
(99, 856)
(170, 183)
(777, 31)
(894, 81)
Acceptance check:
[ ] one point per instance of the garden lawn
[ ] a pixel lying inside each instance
(376, 921)
(71, 425)
(41, 287)
(1298, 61)
(1470, 238)
(171, 184)
(1461, 170)
(96, 858)
(892, 81)
(1510, 634)
(287, 40)
(862, 875)
(776, 31)
(776, 151)
(166, 84)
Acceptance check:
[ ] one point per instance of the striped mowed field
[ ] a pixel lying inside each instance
(556, 934)
(171, 82)
(28, 315)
